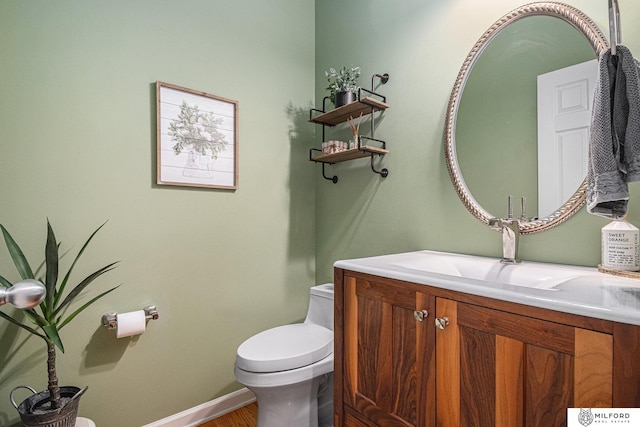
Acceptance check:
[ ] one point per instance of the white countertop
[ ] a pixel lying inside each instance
(570, 289)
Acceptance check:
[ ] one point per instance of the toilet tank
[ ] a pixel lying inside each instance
(320, 309)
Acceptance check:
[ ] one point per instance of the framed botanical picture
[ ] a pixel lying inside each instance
(197, 138)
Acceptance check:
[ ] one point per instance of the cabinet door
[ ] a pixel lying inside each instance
(495, 368)
(388, 354)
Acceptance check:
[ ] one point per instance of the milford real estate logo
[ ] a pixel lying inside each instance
(585, 417)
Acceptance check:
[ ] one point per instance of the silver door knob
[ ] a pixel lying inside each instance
(442, 322)
(420, 314)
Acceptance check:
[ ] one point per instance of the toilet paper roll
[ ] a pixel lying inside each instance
(132, 323)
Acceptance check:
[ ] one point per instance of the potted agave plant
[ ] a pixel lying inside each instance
(58, 405)
(343, 85)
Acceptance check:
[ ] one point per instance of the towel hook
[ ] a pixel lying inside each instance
(615, 37)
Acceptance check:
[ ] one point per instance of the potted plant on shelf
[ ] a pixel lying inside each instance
(343, 85)
(58, 405)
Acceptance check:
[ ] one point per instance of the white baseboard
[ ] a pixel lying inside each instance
(208, 410)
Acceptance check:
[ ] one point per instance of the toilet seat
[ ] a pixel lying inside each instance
(285, 347)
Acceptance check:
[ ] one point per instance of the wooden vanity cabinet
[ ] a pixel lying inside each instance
(495, 363)
(385, 366)
(496, 368)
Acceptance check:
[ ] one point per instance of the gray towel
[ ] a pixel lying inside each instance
(626, 112)
(614, 145)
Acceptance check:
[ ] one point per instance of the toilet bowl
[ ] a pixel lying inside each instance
(290, 368)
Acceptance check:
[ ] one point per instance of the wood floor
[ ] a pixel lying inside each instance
(243, 417)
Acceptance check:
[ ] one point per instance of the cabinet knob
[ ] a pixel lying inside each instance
(442, 322)
(420, 314)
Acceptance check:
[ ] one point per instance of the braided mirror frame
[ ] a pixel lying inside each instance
(598, 41)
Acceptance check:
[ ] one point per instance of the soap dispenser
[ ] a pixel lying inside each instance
(620, 241)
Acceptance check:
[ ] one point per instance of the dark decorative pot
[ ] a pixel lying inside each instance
(34, 411)
(344, 98)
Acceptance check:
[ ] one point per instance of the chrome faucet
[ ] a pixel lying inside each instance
(510, 228)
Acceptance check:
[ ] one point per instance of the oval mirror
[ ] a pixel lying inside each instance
(492, 127)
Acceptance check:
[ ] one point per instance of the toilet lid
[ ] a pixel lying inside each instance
(285, 347)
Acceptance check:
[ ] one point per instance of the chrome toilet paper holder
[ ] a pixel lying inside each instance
(110, 320)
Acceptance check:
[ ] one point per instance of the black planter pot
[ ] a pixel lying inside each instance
(34, 411)
(344, 98)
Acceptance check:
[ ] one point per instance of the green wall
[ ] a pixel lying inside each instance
(422, 44)
(77, 114)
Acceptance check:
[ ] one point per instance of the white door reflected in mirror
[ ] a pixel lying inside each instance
(565, 99)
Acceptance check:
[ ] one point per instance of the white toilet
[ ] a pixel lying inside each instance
(290, 368)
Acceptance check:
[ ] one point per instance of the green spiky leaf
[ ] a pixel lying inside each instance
(5, 283)
(83, 284)
(21, 325)
(51, 274)
(52, 333)
(81, 309)
(20, 261)
(63, 284)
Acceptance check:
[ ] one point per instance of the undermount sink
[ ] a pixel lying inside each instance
(529, 274)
